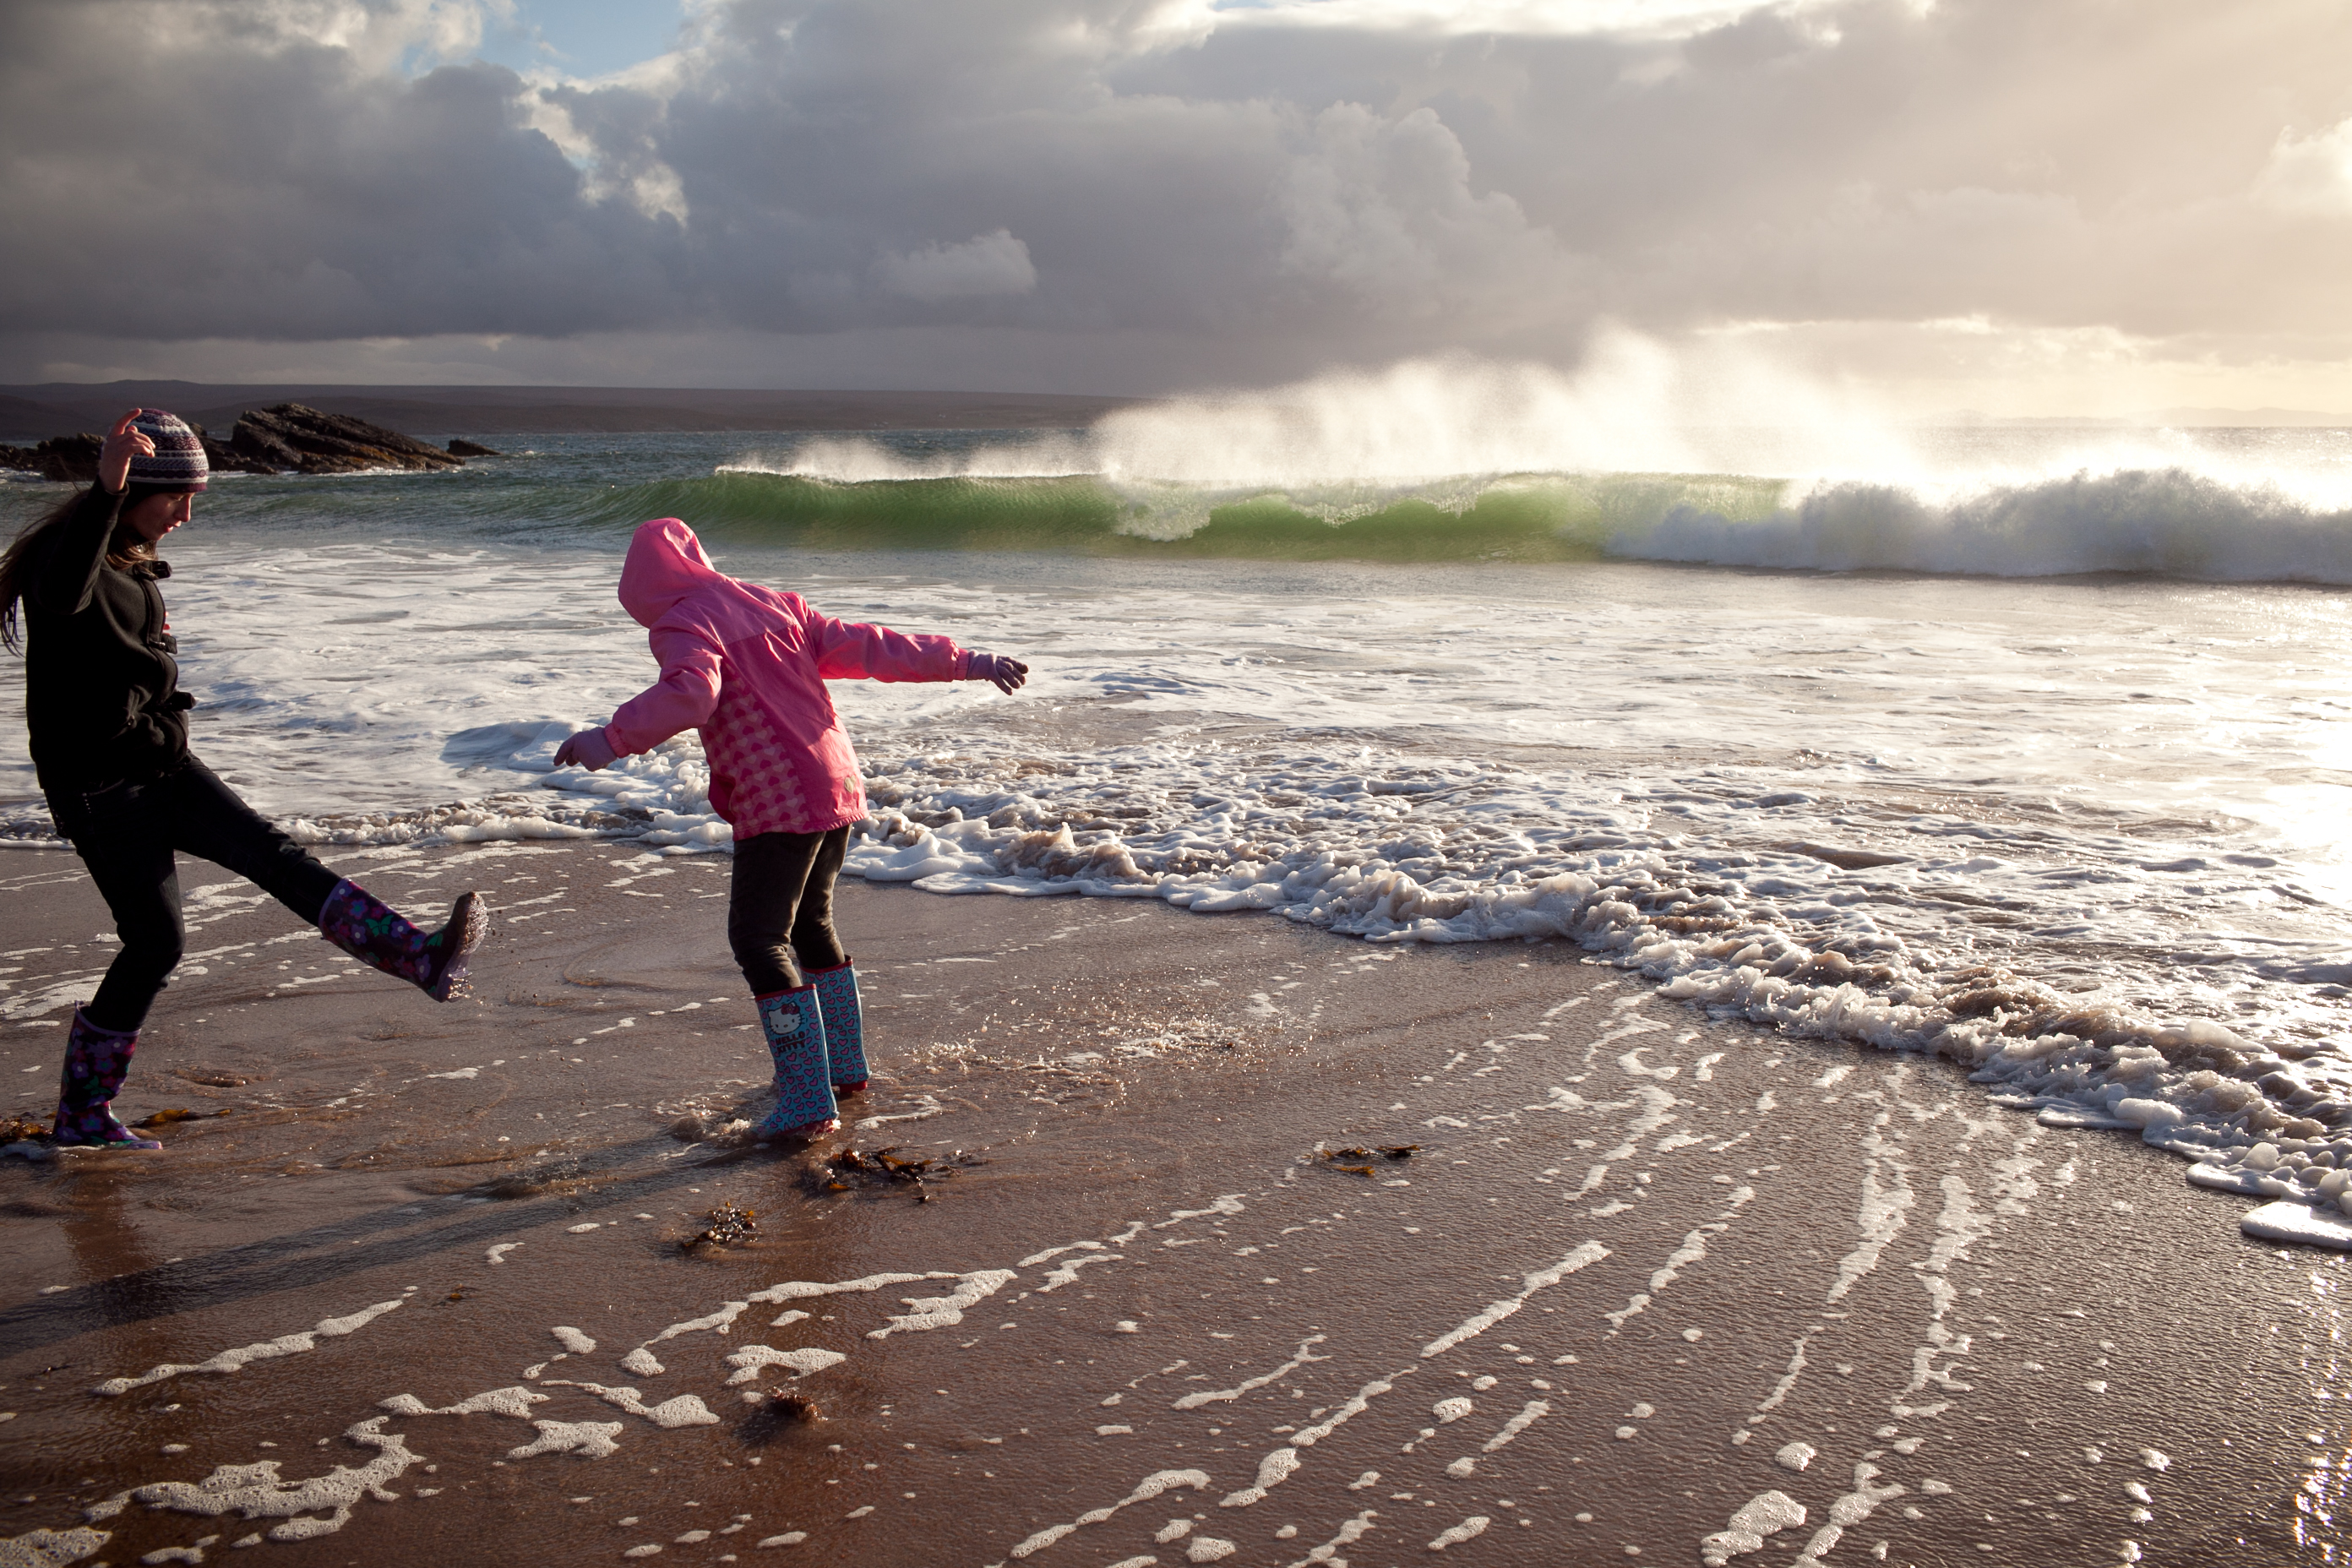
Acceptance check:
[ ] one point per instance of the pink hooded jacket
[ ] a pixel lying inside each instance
(747, 666)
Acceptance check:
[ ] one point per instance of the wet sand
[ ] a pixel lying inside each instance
(1649, 1286)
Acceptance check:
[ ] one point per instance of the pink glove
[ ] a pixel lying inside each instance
(588, 749)
(1008, 675)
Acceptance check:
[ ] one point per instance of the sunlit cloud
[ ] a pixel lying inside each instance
(2311, 174)
(1523, 18)
(1117, 194)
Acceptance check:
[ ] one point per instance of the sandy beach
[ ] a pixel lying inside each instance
(1648, 1288)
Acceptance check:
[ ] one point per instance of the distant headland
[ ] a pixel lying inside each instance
(37, 412)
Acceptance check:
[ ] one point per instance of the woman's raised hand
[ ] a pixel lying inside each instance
(124, 442)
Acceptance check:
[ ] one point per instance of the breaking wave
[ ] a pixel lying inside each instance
(2169, 523)
(1642, 454)
(2166, 523)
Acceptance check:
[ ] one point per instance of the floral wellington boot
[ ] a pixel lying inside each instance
(354, 920)
(795, 1031)
(844, 1025)
(97, 1062)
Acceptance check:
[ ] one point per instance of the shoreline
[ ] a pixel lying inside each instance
(1645, 1275)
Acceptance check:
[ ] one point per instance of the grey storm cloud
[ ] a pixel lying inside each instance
(1333, 180)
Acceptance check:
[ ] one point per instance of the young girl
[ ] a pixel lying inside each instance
(110, 739)
(748, 665)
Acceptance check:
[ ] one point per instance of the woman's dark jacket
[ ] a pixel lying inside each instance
(101, 678)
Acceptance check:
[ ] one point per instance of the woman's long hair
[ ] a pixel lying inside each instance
(124, 551)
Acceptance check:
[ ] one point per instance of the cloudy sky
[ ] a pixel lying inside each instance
(2021, 206)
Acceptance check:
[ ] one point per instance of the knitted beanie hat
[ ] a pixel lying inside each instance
(178, 462)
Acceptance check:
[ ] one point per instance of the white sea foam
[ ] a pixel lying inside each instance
(257, 1491)
(752, 1360)
(802, 1289)
(243, 1356)
(589, 1439)
(1272, 1472)
(1222, 1204)
(2297, 1223)
(1154, 1485)
(1350, 1533)
(515, 1402)
(644, 1364)
(1049, 1254)
(1787, 1383)
(1210, 1396)
(683, 1410)
(1068, 1273)
(1848, 1510)
(1455, 1535)
(1692, 1250)
(1529, 1414)
(929, 1312)
(51, 1548)
(1766, 1514)
(1583, 1256)
(1886, 1200)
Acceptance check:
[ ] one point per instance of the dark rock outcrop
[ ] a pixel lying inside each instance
(461, 447)
(288, 437)
(293, 437)
(224, 460)
(69, 459)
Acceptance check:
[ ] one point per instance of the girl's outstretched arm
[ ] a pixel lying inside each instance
(848, 650)
(681, 699)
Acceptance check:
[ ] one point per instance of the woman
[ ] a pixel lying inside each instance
(747, 666)
(109, 742)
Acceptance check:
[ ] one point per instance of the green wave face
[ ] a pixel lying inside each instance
(1550, 517)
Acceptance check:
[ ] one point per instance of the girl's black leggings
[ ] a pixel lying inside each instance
(780, 908)
(130, 834)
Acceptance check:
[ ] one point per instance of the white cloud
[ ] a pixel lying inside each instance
(624, 167)
(985, 266)
(2310, 173)
(1385, 209)
(1517, 18)
(381, 34)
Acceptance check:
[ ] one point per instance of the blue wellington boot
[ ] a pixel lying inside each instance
(844, 1025)
(795, 1030)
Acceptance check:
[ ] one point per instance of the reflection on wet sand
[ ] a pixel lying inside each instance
(1260, 1245)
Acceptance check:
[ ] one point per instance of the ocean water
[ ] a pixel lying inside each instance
(2026, 748)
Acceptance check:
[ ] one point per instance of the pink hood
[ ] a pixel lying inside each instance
(665, 563)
